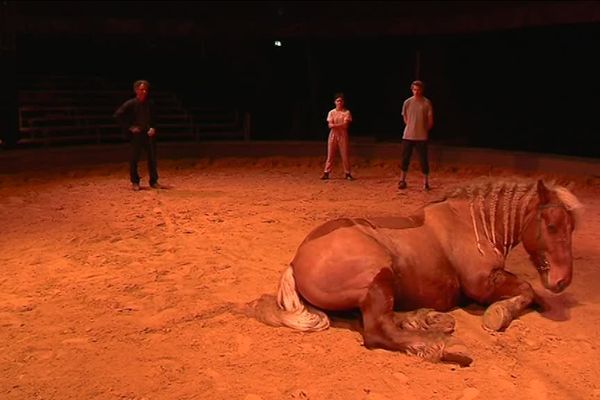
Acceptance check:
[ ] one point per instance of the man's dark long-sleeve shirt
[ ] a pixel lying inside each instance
(136, 113)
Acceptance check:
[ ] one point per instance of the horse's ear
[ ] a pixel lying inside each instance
(543, 192)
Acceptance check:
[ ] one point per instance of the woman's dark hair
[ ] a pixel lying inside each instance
(339, 94)
(136, 84)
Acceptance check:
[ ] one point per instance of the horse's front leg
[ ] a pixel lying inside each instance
(508, 297)
(380, 329)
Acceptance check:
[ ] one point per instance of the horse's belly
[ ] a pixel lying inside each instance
(440, 291)
(441, 299)
(425, 279)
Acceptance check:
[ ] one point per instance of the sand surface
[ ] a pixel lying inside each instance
(111, 294)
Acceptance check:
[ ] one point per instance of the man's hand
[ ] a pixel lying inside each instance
(151, 132)
(134, 129)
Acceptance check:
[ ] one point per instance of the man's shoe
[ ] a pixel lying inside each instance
(349, 177)
(135, 187)
(325, 176)
(155, 185)
(426, 187)
(402, 185)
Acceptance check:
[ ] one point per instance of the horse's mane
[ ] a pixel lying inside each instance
(571, 203)
(507, 200)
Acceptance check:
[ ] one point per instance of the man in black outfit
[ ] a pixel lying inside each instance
(136, 116)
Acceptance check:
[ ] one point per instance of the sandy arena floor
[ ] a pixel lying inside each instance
(111, 294)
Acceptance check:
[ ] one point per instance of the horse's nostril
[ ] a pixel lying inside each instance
(561, 285)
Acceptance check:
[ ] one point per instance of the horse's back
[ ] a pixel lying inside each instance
(328, 227)
(413, 221)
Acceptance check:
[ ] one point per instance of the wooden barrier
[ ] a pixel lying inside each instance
(64, 116)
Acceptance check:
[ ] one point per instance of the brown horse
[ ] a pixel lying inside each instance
(451, 250)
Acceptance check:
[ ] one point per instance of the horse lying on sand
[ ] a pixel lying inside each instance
(449, 251)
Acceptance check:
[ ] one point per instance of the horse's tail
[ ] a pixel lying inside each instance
(293, 312)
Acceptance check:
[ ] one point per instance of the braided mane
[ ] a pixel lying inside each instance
(497, 209)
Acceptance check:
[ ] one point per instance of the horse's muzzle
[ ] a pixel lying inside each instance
(555, 287)
(543, 266)
(560, 286)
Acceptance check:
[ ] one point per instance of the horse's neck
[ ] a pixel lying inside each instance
(498, 215)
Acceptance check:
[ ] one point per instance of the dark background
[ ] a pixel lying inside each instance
(506, 75)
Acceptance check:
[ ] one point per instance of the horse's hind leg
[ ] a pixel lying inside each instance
(380, 330)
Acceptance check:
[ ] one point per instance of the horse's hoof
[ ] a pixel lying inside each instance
(496, 318)
(456, 353)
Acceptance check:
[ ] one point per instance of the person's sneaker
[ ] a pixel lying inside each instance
(349, 177)
(426, 187)
(325, 176)
(135, 187)
(402, 185)
(155, 185)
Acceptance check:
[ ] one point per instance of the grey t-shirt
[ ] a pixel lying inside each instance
(417, 114)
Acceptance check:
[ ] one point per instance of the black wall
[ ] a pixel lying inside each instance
(531, 89)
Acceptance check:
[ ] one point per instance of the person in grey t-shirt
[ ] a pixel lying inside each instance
(417, 112)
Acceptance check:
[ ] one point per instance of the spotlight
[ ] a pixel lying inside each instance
(277, 43)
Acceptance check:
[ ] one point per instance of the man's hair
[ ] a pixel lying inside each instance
(137, 84)
(339, 94)
(418, 83)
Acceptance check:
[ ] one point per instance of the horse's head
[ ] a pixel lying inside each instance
(546, 235)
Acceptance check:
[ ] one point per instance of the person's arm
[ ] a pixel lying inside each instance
(152, 129)
(120, 115)
(348, 118)
(123, 117)
(404, 112)
(332, 124)
(430, 117)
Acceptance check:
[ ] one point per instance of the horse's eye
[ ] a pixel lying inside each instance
(552, 228)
